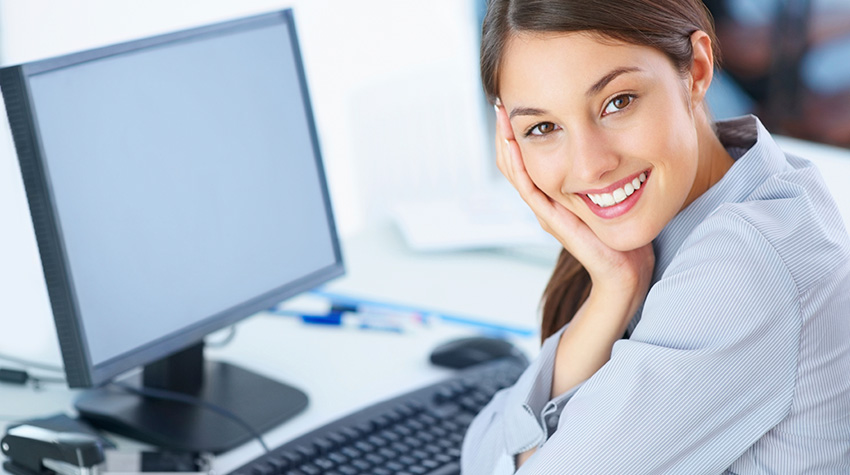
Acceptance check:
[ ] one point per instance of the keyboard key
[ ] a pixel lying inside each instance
(449, 469)
(414, 425)
(382, 421)
(444, 411)
(420, 454)
(324, 463)
(377, 441)
(364, 446)
(389, 435)
(279, 463)
(351, 452)
(347, 470)
(263, 469)
(310, 469)
(417, 470)
(306, 451)
(382, 471)
(360, 464)
(323, 444)
(434, 448)
(394, 466)
(349, 433)
(337, 438)
(338, 458)
(387, 453)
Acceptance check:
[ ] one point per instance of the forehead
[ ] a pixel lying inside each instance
(532, 61)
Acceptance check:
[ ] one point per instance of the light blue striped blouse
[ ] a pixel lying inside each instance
(739, 361)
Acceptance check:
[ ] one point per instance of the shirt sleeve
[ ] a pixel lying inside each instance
(515, 419)
(709, 369)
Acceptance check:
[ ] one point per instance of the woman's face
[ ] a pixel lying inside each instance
(606, 129)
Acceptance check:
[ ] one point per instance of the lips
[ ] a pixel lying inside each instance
(618, 198)
(619, 194)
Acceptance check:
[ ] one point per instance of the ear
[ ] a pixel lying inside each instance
(702, 68)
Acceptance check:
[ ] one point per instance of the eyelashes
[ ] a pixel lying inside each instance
(617, 104)
(541, 129)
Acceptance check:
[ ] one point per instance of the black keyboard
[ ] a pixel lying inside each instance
(417, 433)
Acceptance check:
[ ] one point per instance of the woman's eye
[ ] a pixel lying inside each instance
(542, 128)
(618, 103)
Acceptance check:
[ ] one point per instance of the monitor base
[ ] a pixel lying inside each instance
(259, 401)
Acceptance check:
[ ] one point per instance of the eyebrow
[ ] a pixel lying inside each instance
(594, 89)
(526, 111)
(600, 84)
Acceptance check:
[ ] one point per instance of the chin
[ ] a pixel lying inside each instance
(626, 240)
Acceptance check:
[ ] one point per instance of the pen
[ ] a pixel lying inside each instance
(361, 320)
(424, 314)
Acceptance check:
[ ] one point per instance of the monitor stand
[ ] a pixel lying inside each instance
(259, 401)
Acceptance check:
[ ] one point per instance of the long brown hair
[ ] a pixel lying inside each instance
(666, 25)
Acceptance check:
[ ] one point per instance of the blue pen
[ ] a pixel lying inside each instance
(359, 304)
(359, 320)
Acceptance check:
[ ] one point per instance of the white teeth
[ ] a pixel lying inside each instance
(605, 200)
(619, 195)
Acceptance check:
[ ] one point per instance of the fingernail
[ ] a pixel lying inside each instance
(498, 102)
(496, 108)
(507, 142)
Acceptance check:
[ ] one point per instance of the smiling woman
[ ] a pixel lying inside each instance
(691, 324)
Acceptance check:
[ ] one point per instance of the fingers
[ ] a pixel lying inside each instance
(503, 122)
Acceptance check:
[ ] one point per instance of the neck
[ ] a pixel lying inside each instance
(714, 161)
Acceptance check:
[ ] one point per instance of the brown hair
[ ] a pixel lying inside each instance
(666, 25)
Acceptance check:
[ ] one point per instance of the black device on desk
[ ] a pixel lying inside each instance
(176, 187)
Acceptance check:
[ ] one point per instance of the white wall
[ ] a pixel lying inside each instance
(394, 87)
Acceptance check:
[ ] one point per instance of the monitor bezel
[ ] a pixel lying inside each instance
(80, 370)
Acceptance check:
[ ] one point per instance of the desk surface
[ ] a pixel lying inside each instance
(342, 368)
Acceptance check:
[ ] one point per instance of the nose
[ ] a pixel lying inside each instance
(592, 156)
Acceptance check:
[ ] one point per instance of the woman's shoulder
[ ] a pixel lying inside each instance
(791, 214)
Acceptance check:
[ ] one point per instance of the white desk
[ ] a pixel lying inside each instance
(343, 369)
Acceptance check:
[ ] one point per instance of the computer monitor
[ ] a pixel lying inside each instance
(176, 187)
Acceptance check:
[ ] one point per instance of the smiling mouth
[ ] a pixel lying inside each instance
(604, 200)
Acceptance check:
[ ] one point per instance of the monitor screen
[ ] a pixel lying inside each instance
(176, 187)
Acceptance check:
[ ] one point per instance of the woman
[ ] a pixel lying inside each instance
(705, 274)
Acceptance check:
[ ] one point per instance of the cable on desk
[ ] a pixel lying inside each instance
(32, 364)
(187, 399)
(22, 377)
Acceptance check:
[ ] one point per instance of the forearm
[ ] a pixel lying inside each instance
(585, 345)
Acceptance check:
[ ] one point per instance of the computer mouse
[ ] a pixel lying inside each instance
(469, 351)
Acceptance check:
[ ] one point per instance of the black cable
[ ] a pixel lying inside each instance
(22, 377)
(32, 364)
(187, 399)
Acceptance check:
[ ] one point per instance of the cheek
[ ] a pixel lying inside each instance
(545, 168)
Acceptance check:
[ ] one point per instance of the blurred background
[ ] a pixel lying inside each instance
(787, 61)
